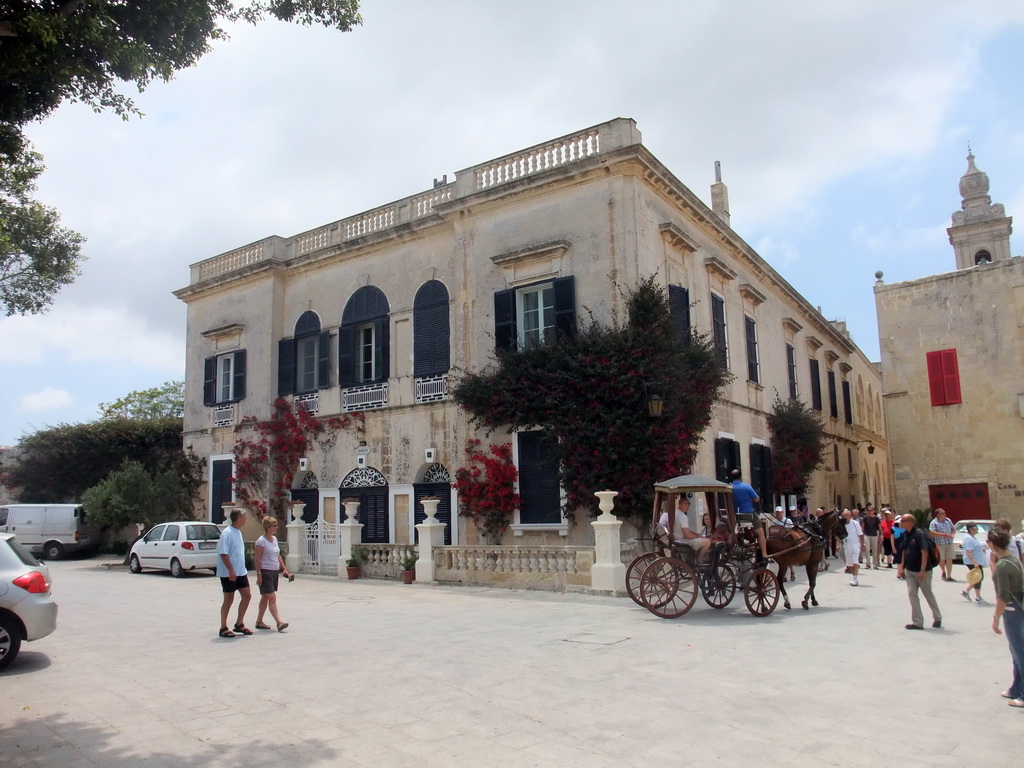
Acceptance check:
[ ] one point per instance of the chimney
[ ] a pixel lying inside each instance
(720, 196)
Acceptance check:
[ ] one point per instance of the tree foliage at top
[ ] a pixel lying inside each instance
(588, 395)
(58, 464)
(37, 256)
(52, 51)
(798, 445)
(165, 401)
(78, 50)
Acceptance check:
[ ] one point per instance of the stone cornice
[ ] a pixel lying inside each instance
(552, 250)
(678, 238)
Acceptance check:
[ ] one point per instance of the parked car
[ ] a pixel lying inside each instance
(176, 547)
(27, 609)
(960, 531)
(49, 530)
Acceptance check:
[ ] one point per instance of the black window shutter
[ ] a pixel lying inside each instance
(220, 488)
(238, 386)
(736, 459)
(323, 361)
(722, 454)
(285, 367)
(422, 341)
(382, 347)
(679, 309)
(833, 403)
(440, 338)
(565, 306)
(755, 469)
(751, 331)
(210, 381)
(847, 405)
(815, 385)
(719, 330)
(346, 356)
(538, 482)
(766, 473)
(505, 320)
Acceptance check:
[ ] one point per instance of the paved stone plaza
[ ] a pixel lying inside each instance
(375, 673)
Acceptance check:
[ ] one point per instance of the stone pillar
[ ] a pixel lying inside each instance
(350, 533)
(431, 534)
(608, 574)
(296, 538)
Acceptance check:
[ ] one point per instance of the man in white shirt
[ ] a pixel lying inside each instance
(233, 574)
(679, 528)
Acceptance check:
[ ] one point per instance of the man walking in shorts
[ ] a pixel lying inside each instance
(233, 575)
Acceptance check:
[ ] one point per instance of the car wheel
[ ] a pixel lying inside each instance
(10, 640)
(53, 551)
(176, 570)
(134, 565)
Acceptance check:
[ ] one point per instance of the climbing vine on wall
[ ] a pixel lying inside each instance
(267, 457)
(487, 488)
(588, 396)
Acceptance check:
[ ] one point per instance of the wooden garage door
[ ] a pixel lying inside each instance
(962, 501)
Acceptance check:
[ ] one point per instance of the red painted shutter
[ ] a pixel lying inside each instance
(950, 376)
(935, 382)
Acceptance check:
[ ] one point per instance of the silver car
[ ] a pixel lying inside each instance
(27, 609)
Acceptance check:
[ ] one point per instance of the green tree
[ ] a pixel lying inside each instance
(37, 256)
(165, 401)
(588, 395)
(133, 494)
(58, 464)
(798, 444)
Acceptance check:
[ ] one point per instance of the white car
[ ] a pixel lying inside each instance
(27, 609)
(176, 547)
(960, 532)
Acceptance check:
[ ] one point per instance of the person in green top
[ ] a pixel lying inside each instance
(1009, 583)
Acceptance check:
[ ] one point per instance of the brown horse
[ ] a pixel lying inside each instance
(804, 545)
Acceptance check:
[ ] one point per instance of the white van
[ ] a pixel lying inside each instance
(49, 530)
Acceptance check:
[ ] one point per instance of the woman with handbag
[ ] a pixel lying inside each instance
(1009, 581)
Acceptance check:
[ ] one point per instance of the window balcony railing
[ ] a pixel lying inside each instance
(310, 403)
(364, 398)
(224, 415)
(430, 389)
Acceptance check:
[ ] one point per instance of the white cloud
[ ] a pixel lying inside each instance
(48, 399)
(90, 334)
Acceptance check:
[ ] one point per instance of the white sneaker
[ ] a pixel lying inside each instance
(854, 583)
(981, 601)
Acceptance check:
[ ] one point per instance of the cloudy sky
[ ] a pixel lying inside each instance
(842, 128)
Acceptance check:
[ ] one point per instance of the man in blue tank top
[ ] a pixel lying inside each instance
(744, 497)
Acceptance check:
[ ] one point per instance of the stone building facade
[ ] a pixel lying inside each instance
(376, 312)
(952, 349)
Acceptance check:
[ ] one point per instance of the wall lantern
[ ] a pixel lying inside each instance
(655, 402)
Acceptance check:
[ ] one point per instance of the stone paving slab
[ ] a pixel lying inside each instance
(374, 673)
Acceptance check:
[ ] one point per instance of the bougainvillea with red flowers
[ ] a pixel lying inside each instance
(265, 464)
(487, 488)
(588, 396)
(798, 444)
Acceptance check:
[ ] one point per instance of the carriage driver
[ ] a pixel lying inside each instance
(743, 497)
(681, 532)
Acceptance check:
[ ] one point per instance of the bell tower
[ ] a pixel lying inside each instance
(981, 230)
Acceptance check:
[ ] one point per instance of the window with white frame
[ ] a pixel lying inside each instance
(535, 309)
(364, 354)
(224, 378)
(307, 351)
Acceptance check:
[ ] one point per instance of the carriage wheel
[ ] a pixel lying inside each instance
(668, 587)
(761, 592)
(720, 587)
(635, 571)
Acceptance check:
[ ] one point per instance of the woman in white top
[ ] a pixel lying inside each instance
(269, 567)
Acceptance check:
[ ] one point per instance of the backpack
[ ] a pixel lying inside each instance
(933, 551)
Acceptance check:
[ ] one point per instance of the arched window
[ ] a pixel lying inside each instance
(364, 339)
(431, 330)
(303, 361)
(982, 257)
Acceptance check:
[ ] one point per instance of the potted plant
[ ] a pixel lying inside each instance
(409, 568)
(353, 563)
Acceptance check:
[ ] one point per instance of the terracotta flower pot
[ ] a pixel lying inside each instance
(408, 576)
(353, 571)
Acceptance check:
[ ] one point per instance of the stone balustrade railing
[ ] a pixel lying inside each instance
(566, 150)
(384, 561)
(540, 567)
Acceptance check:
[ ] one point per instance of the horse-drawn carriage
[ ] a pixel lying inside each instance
(666, 578)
